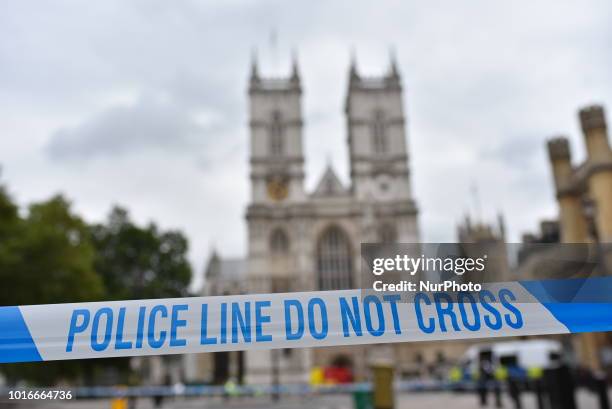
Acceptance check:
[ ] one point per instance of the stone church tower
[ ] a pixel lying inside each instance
(377, 140)
(305, 241)
(584, 197)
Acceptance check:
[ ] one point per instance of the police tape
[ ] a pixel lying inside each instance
(297, 320)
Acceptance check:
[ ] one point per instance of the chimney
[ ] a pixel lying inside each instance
(593, 122)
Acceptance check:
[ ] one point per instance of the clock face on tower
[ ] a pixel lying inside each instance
(383, 186)
(278, 188)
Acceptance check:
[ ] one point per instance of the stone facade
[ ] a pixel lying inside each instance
(584, 191)
(584, 196)
(305, 241)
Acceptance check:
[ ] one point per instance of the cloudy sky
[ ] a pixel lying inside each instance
(143, 103)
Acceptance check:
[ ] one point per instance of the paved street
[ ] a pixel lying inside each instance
(404, 401)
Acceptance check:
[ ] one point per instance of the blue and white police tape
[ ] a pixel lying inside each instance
(295, 320)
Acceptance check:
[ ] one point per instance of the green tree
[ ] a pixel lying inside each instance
(52, 256)
(9, 216)
(140, 262)
(9, 229)
(46, 257)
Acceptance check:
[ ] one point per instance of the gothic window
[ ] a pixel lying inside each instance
(387, 234)
(379, 136)
(276, 134)
(334, 264)
(279, 242)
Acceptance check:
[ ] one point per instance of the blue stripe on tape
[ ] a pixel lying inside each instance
(576, 290)
(582, 305)
(592, 317)
(16, 343)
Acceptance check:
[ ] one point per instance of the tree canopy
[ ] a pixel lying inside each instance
(51, 255)
(47, 257)
(140, 262)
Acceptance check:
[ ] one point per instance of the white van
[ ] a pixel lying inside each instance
(533, 353)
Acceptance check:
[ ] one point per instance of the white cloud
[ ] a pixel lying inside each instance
(486, 84)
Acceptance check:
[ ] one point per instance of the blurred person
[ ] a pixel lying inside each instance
(230, 388)
(487, 380)
(158, 398)
(455, 374)
(133, 381)
(516, 376)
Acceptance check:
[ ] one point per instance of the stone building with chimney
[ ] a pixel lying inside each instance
(584, 197)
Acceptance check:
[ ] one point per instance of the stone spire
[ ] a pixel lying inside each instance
(295, 72)
(393, 77)
(393, 71)
(353, 74)
(254, 68)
